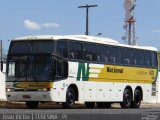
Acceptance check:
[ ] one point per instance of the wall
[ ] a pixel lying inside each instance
(2, 87)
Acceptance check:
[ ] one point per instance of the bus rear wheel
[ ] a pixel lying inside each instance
(90, 104)
(32, 104)
(70, 99)
(127, 99)
(137, 99)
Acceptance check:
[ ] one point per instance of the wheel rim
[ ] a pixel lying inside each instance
(137, 98)
(127, 99)
(70, 98)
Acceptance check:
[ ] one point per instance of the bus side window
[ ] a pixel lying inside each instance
(62, 48)
(127, 56)
(102, 53)
(126, 61)
(112, 60)
(75, 50)
(148, 59)
(154, 60)
(115, 55)
(90, 52)
(138, 58)
(60, 69)
(11, 68)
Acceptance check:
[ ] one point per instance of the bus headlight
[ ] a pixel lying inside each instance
(44, 89)
(9, 89)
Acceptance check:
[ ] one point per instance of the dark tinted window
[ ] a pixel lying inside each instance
(75, 50)
(115, 55)
(90, 52)
(27, 47)
(127, 56)
(102, 53)
(62, 48)
(154, 60)
(60, 69)
(148, 60)
(138, 58)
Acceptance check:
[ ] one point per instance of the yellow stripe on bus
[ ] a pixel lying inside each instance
(34, 85)
(127, 74)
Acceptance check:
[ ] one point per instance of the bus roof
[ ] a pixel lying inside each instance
(84, 38)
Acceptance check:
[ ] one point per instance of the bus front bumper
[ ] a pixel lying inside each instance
(29, 96)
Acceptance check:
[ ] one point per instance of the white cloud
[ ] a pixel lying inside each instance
(29, 24)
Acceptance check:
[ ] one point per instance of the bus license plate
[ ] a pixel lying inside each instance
(26, 96)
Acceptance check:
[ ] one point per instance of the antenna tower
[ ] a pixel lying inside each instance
(130, 35)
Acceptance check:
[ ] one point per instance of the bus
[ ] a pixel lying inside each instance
(94, 71)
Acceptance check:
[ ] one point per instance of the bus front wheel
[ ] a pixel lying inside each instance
(127, 99)
(70, 99)
(32, 104)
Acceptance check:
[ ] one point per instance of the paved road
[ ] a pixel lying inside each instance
(55, 112)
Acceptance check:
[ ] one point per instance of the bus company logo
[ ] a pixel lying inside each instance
(83, 71)
(115, 70)
(87, 71)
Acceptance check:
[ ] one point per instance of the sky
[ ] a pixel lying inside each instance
(63, 17)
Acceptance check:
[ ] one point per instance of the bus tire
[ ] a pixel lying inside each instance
(90, 104)
(127, 99)
(103, 104)
(137, 99)
(32, 104)
(70, 99)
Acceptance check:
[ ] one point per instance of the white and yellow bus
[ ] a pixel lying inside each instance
(94, 70)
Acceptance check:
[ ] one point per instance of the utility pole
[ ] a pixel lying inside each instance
(87, 17)
(1, 56)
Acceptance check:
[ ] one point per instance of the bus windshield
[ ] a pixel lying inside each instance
(32, 47)
(29, 68)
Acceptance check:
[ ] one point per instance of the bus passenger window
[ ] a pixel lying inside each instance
(90, 52)
(115, 55)
(148, 60)
(127, 56)
(154, 60)
(102, 53)
(11, 71)
(138, 58)
(75, 50)
(126, 61)
(60, 69)
(112, 60)
(62, 49)
(71, 55)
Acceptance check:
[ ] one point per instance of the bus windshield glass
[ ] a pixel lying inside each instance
(29, 68)
(32, 47)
